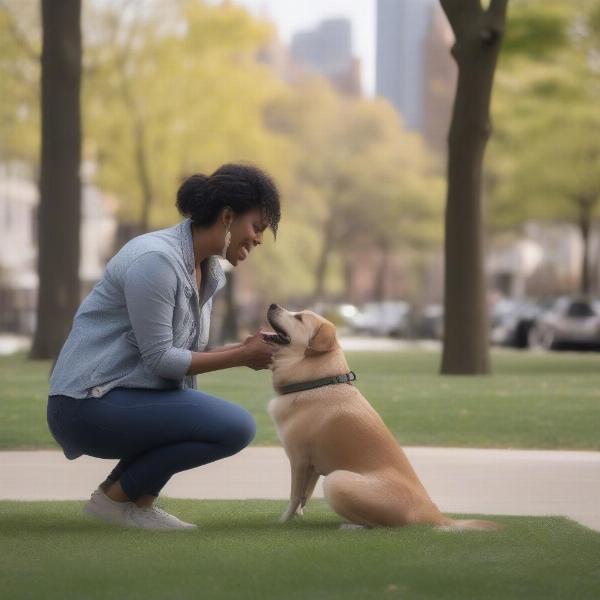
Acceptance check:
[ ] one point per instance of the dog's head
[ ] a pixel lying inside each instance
(301, 333)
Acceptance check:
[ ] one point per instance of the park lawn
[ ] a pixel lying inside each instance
(50, 550)
(533, 400)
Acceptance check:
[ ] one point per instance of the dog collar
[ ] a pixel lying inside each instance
(309, 385)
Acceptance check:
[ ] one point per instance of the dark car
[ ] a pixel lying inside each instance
(570, 323)
(511, 320)
(428, 322)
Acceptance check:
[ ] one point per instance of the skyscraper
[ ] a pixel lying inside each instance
(439, 81)
(401, 28)
(328, 50)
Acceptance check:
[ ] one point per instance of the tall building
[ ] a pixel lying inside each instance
(401, 29)
(19, 201)
(328, 50)
(439, 82)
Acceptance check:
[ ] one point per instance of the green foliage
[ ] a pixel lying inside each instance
(361, 178)
(185, 97)
(535, 30)
(545, 155)
(177, 88)
(19, 82)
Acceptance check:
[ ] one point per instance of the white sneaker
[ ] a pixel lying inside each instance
(152, 517)
(100, 506)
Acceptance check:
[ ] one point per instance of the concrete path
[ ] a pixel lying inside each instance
(509, 482)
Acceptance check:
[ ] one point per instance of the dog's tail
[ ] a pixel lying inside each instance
(469, 525)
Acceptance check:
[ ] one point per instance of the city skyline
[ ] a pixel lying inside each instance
(291, 17)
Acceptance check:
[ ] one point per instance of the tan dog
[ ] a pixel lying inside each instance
(333, 431)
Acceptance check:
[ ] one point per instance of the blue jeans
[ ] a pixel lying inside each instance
(155, 433)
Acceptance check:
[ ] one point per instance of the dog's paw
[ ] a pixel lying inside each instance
(287, 516)
(290, 513)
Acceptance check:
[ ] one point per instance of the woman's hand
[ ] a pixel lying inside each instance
(258, 352)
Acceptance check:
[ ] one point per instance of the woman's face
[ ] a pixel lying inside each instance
(246, 233)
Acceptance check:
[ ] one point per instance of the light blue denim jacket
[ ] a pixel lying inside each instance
(140, 323)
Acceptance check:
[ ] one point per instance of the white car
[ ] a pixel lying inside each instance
(389, 318)
(571, 322)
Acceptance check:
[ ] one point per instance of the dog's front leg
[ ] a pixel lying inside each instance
(302, 473)
(310, 487)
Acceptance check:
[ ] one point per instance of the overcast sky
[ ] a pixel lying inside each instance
(291, 16)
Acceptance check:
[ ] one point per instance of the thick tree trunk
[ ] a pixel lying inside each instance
(59, 212)
(478, 35)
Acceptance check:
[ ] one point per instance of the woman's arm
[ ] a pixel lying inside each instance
(255, 352)
(149, 288)
(222, 348)
(217, 359)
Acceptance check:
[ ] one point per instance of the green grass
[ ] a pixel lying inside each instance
(240, 551)
(531, 401)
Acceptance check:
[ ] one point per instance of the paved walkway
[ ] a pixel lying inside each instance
(509, 482)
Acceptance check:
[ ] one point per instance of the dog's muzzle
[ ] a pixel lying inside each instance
(281, 336)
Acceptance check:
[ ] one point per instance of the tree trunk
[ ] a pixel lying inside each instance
(594, 259)
(323, 260)
(143, 173)
(139, 143)
(348, 279)
(382, 268)
(230, 328)
(478, 35)
(59, 212)
(586, 206)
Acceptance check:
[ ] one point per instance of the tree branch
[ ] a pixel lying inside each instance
(18, 35)
(495, 19)
(497, 10)
(460, 13)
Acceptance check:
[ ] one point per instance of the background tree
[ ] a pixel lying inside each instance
(173, 89)
(19, 83)
(398, 203)
(545, 158)
(359, 177)
(60, 189)
(478, 33)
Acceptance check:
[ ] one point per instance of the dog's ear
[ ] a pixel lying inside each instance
(323, 340)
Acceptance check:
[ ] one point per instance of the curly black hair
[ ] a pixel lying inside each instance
(241, 187)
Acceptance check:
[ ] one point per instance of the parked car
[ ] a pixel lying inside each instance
(390, 318)
(429, 322)
(340, 314)
(511, 321)
(571, 322)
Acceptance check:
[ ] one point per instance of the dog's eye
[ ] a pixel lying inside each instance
(299, 317)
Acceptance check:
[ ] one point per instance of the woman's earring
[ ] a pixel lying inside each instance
(227, 242)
